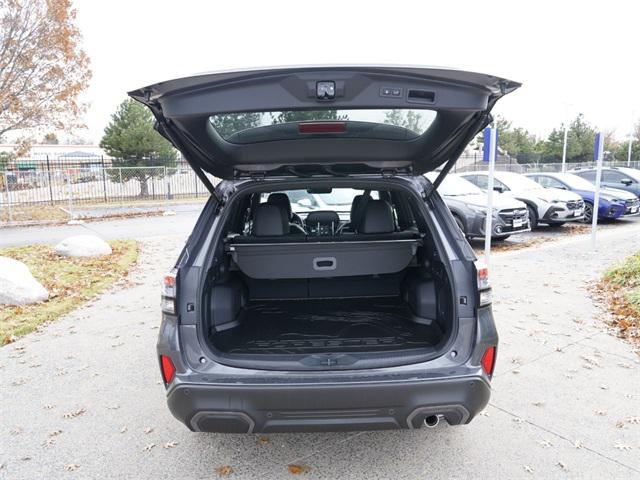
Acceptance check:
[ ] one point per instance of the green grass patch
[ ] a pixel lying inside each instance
(70, 282)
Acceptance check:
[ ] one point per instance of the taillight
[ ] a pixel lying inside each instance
(168, 300)
(485, 294)
(488, 360)
(168, 369)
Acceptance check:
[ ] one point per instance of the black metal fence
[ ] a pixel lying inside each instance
(94, 180)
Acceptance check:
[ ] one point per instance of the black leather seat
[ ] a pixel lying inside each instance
(355, 216)
(281, 200)
(322, 223)
(379, 223)
(269, 226)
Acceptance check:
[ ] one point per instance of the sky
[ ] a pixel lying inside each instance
(571, 56)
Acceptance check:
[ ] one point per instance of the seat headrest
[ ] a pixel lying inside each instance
(354, 204)
(268, 220)
(323, 217)
(281, 200)
(377, 218)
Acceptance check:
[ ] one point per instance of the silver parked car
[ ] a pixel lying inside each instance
(468, 205)
(546, 205)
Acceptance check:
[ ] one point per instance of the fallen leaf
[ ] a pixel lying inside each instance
(48, 407)
(72, 467)
(264, 440)
(224, 471)
(634, 420)
(600, 413)
(148, 430)
(545, 443)
(75, 413)
(604, 387)
(528, 469)
(538, 404)
(148, 447)
(578, 444)
(170, 445)
(298, 469)
(563, 466)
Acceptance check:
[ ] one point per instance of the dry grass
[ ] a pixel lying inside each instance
(620, 288)
(70, 282)
(30, 213)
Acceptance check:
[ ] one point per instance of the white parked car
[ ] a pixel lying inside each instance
(546, 205)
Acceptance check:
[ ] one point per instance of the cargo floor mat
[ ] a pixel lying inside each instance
(284, 327)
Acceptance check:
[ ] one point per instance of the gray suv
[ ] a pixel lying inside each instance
(274, 320)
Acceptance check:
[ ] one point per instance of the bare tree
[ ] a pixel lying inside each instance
(43, 68)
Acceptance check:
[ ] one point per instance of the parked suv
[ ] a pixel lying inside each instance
(468, 205)
(612, 203)
(546, 205)
(381, 322)
(621, 178)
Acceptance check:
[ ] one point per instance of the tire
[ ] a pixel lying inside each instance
(460, 224)
(533, 217)
(588, 212)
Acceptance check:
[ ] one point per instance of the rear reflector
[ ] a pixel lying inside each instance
(488, 360)
(168, 370)
(322, 127)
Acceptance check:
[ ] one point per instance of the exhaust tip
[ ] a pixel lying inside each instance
(431, 421)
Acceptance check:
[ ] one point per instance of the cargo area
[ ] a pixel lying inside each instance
(326, 326)
(364, 282)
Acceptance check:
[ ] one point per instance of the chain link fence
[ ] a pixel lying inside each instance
(67, 185)
(37, 182)
(539, 167)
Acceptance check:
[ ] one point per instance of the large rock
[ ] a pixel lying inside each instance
(83, 246)
(17, 285)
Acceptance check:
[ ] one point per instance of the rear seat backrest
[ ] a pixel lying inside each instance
(377, 218)
(269, 221)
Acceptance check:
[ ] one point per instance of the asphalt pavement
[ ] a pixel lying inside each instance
(82, 398)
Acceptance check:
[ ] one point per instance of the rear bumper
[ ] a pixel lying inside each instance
(328, 407)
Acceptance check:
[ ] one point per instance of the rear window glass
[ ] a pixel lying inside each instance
(387, 124)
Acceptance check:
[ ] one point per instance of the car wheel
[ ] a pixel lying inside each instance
(460, 224)
(588, 212)
(533, 217)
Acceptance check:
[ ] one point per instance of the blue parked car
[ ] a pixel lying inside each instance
(612, 205)
(620, 178)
